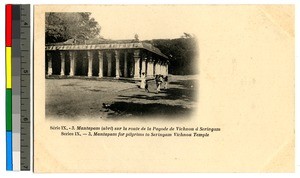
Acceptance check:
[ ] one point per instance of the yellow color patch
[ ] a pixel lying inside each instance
(8, 66)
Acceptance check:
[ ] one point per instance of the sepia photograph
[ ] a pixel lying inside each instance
(117, 76)
(164, 88)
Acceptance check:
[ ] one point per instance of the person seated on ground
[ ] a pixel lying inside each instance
(143, 80)
(161, 79)
(166, 82)
(156, 80)
(159, 82)
(146, 86)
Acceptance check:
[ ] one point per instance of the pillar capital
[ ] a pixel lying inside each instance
(150, 58)
(117, 52)
(108, 54)
(100, 53)
(48, 53)
(89, 54)
(71, 54)
(137, 53)
(144, 56)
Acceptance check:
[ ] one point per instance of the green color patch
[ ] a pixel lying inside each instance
(8, 110)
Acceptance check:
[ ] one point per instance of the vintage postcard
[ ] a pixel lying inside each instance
(164, 88)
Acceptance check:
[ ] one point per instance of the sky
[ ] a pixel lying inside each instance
(149, 22)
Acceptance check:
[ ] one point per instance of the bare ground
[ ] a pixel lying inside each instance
(83, 98)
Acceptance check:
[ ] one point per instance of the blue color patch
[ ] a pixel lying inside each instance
(9, 163)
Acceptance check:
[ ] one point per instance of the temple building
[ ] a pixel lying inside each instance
(117, 59)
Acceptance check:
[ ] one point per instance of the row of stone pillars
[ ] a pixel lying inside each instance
(142, 64)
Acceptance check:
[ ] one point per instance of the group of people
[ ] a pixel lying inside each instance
(159, 80)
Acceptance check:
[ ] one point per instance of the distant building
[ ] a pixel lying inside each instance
(105, 58)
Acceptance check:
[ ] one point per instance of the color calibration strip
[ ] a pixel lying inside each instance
(17, 87)
(8, 57)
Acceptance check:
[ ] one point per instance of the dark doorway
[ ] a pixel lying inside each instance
(105, 63)
(113, 65)
(130, 62)
(95, 64)
(81, 63)
(67, 64)
(56, 63)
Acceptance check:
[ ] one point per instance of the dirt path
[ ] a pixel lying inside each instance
(80, 98)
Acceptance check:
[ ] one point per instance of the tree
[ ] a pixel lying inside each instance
(182, 53)
(63, 26)
(186, 35)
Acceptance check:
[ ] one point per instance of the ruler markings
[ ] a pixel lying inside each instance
(25, 86)
(16, 104)
(17, 52)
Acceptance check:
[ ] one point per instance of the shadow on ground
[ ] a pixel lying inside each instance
(151, 110)
(186, 92)
(169, 94)
(185, 83)
(149, 105)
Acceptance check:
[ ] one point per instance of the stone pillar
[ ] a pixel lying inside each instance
(90, 63)
(131, 66)
(75, 56)
(100, 57)
(153, 68)
(75, 60)
(125, 65)
(160, 68)
(117, 54)
(167, 69)
(108, 55)
(136, 63)
(62, 66)
(72, 65)
(49, 59)
(157, 72)
(150, 68)
(144, 59)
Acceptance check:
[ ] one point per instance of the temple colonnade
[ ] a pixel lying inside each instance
(117, 63)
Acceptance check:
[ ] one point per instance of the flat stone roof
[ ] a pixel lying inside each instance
(105, 46)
